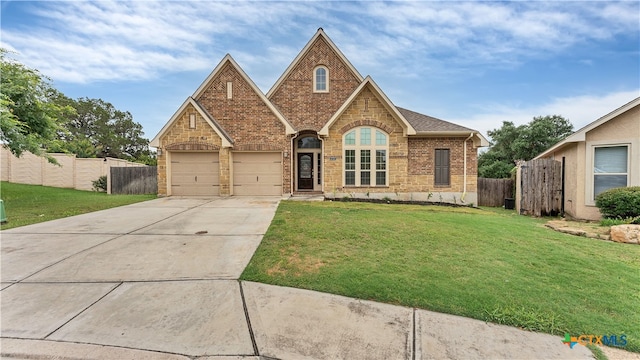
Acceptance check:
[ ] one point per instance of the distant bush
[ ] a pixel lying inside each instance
(619, 203)
(100, 185)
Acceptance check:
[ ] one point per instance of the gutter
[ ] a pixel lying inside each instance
(464, 181)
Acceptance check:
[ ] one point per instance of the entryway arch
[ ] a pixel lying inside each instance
(308, 165)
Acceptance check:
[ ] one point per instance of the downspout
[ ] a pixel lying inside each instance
(464, 177)
(292, 164)
(322, 164)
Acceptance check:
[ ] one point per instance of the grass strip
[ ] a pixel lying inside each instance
(487, 264)
(31, 204)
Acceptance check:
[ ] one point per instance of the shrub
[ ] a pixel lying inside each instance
(100, 185)
(612, 222)
(619, 203)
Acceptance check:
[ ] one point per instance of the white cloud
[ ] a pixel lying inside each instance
(580, 110)
(87, 41)
(81, 41)
(485, 33)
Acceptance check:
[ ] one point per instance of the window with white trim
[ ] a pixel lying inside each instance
(320, 79)
(366, 152)
(610, 167)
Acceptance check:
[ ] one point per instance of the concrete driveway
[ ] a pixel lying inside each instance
(158, 280)
(158, 275)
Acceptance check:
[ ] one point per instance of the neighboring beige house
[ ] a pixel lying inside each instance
(322, 128)
(602, 155)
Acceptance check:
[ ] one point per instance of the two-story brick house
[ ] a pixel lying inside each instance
(321, 128)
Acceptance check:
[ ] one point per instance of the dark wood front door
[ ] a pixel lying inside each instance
(305, 171)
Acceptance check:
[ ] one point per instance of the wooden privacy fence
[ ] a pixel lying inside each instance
(540, 183)
(492, 192)
(134, 180)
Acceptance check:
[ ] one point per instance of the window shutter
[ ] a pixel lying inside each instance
(442, 167)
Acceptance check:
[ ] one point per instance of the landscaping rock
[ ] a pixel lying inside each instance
(629, 234)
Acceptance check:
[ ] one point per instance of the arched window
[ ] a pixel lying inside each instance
(320, 79)
(365, 157)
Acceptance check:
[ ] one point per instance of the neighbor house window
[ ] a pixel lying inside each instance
(192, 121)
(365, 157)
(610, 168)
(320, 79)
(442, 173)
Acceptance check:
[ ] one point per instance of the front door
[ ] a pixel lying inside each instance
(305, 171)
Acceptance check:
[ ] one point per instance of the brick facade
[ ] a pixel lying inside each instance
(295, 98)
(246, 118)
(422, 163)
(251, 125)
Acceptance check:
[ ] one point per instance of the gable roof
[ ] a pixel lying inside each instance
(319, 33)
(226, 139)
(408, 128)
(228, 59)
(581, 134)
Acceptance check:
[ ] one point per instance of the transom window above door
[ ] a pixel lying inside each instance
(309, 143)
(365, 157)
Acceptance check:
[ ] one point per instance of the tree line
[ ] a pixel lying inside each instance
(511, 143)
(36, 117)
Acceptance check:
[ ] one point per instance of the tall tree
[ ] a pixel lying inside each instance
(110, 132)
(29, 116)
(524, 142)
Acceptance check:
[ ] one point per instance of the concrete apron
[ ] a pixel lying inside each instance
(157, 280)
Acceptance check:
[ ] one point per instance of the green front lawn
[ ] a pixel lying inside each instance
(489, 264)
(30, 204)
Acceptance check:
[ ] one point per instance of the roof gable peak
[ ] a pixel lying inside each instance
(229, 59)
(320, 34)
(190, 101)
(581, 134)
(382, 97)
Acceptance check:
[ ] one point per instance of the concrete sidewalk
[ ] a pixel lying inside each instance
(158, 280)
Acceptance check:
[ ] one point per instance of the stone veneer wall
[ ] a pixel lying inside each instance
(410, 160)
(181, 138)
(376, 116)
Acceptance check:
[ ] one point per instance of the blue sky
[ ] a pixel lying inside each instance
(473, 63)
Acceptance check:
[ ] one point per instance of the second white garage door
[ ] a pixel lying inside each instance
(257, 173)
(195, 173)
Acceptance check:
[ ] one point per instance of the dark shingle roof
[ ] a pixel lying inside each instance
(424, 123)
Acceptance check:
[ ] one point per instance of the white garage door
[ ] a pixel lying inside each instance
(257, 173)
(195, 173)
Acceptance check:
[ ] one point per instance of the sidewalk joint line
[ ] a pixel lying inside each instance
(76, 342)
(413, 351)
(246, 314)
(83, 310)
